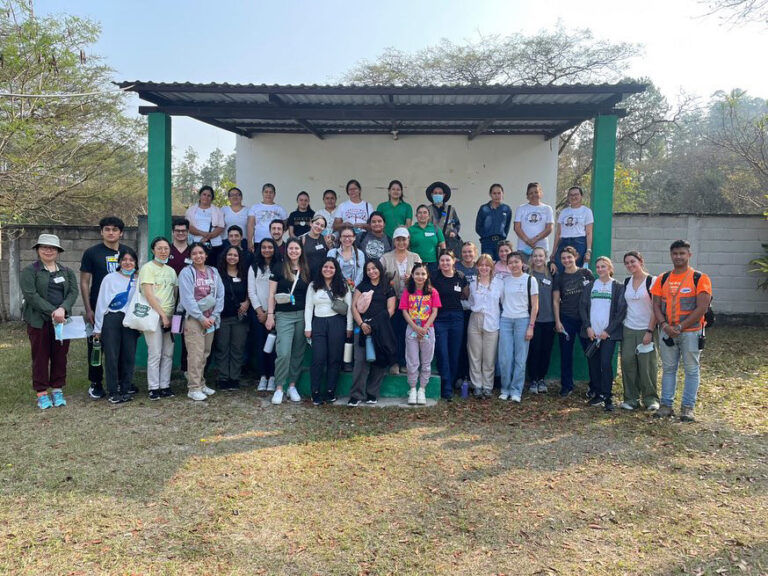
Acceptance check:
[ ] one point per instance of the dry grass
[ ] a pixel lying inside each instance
(234, 487)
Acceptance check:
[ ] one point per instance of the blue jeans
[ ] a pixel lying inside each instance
(490, 247)
(573, 327)
(513, 352)
(580, 243)
(686, 347)
(449, 329)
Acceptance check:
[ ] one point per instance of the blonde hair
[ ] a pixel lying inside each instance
(547, 273)
(486, 259)
(608, 261)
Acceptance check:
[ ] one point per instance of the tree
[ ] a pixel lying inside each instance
(68, 152)
(740, 11)
(549, 57)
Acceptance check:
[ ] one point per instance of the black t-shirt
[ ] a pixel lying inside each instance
(300, 221)
(235, 292)
(571, 287)
(374, 248)
(98, 261)
(284, 286)
(449, 290)
(381, 293)
(315, 251)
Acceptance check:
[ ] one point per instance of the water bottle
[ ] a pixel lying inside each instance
(348, 351)
(96, 352)
(370, 350)
(269, 344)
(465, 389)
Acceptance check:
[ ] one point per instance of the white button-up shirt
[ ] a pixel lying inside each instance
(486, 300)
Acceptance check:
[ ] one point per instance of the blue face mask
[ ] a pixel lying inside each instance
(162, 261)
(127, 272)
(437, 198)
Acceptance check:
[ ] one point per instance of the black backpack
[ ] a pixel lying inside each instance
(709, 315)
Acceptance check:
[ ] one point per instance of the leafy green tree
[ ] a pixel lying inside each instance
(68, 152)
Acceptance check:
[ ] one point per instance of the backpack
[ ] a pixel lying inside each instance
(709, 315)
(648, 282)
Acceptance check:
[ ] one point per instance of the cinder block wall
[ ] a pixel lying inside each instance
(722, 247)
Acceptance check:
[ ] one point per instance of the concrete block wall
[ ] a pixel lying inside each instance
(722, 247)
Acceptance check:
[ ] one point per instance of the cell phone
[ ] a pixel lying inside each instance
(668, 341)
(702, 342)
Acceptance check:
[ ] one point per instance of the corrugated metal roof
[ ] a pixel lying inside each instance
(250, 109)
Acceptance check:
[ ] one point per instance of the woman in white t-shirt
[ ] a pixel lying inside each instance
(602, 310)
(639, 367)
(206, 224)
(261, 215)
(236, 214)
(520, 305)
(355, 211)
(574, 228)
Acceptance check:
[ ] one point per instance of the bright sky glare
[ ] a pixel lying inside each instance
(306, 41)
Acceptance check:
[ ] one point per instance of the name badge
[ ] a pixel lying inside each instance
(236, 280)
(546, 281)
(427, 234)
(58, 280)
(457, 288)
(187, 260)
(319, 247)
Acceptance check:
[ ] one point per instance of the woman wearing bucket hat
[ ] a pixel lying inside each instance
(444, 216)
(49, 290)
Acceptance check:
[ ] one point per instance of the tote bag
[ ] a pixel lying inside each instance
(140, 315)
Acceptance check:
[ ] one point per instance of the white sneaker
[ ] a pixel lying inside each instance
(412, 396)
(652, 407)
(533, 388)
(196, 395)
(515, 398)
(503, 396)
(271, 384)
(293, 394)
(262, 384)
(421, 397)
(208, 391)
(277, 397)
(542, 387)
(626, 406)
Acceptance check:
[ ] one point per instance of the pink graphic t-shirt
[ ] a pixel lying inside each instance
(419, 305)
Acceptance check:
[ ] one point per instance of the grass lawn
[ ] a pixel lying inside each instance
(237, 486)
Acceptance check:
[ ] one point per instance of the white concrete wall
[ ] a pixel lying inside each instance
(722, 247)
(299, 162)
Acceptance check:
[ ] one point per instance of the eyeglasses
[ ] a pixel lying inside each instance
(182, 231)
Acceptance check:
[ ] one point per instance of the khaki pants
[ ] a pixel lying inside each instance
(198, 349)
(481, 347)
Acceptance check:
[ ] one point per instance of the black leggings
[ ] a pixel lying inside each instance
(540, 350)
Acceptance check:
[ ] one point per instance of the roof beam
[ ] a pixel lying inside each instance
(310, 128)
(382, 113)
(280, 103)
(479, 129)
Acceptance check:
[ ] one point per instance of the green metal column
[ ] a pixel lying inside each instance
(159, 175)
(603, 166)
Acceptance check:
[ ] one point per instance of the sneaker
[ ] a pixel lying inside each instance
(626, 406)
(412, 396)
(596, 401)
(590, 395)
(197, 395)
(371, 401)
(58, 398)
(262, 384)
(608, 406)
(664, 411)
(132, 389)
(293, 394)
(394, 370)
(487, 392)
(421, 397)
(542, 387)
(96, 391)
(277, 397)
(503, 396)
(686, 413)
(115, 399)
(127, 398)
(154, 395)
(166, 393)
(207, 391)
(478, 393)
(317, 402)
(564, 393)
(652, 407)
(44, 402)
(271, 384)
(533, 388)
(515, 398)
(331, 399)
(403, 370)
(353, 403)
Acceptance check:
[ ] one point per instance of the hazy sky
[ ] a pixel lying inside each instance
(305, 42)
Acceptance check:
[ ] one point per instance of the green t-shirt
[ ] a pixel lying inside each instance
(424, 241)
(163, 279)
(394, 216)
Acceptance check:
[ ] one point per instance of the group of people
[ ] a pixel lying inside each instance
(371, 291)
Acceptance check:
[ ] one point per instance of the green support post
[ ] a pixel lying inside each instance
(603, 167)
(159, 175)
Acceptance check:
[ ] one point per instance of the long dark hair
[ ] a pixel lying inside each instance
(242, 268)
(338, 284)
(411, 287)
(258, 261)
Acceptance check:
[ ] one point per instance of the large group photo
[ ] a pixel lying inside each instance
(385, 303)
